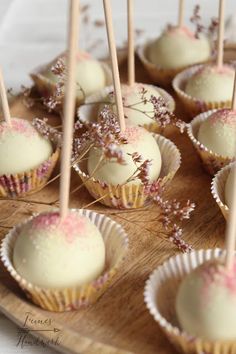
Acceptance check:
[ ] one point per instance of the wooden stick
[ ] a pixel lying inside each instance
(231, 229)
(181, 13)
(220, 44)
(131, 53)
(69, 108)
(234, 94)
(115, 70)
(5, 106)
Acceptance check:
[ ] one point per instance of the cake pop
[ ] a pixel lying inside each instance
(218, 132)
(211, 83)
(22, 148)
(138, 109)
(54, 253)
(90, 75)
(177, 48)
(139, 141)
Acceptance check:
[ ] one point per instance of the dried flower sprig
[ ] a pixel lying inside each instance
(27, 98)
(104, 134)
(172, 213)
(196, 19)
(160, 112)
(47, 130)
(55, 101)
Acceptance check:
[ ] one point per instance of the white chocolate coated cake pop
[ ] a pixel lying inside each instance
(139, 141)
(229, 187)
(218, 133)
(211, 84)
(22, 148)
(206, 302)
(90, 75)
(177, 48)
(51, 252)
(137, 110)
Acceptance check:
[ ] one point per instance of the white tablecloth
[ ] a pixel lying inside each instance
(33, 32)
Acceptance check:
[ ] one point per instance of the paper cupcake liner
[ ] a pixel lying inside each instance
(29, 182)
(89, 111)
(46, 87)
(160, 294)
(218, 188)
(73, 298)
(212, 162)
(159, 75)
(193, 105)
(133, 195)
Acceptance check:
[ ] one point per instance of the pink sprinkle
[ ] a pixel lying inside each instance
(83, 56)
(72, 226)
(18, 125)
(224, 116)
(216, 274)
(184, 30)
(132, 134)
(224, 70)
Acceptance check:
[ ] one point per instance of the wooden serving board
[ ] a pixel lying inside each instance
(119, 322)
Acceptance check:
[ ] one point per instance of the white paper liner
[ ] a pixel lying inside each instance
(212, 162)
(193, 105)
(160, 294)
(218, 188)
(116, 243)
(133, 195)
(89, 111)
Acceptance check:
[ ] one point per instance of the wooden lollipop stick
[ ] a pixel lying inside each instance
(181, 13)
(5, 106)
(69, 108)
(115, 70)
(220, 44)
(131, 53)
(234, 94)
(231, 229)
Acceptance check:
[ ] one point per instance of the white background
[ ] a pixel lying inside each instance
(33, 32)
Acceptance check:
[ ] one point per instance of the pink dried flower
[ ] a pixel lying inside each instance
(200, 28)
(59, 67)
(176, 238)
(173, 212)
(47, 131)
(104, 134)
(137, 158)
(143, 171)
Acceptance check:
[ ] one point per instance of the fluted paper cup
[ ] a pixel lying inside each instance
(89, 111)
(132, 195)
(212, 162)
(193, 105)
(73, 298)
(218, 188)
(46, 87)
(160, 295)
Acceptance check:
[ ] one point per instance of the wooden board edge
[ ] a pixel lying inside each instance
(72, 343)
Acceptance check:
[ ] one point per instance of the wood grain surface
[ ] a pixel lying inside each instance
(119, 322)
